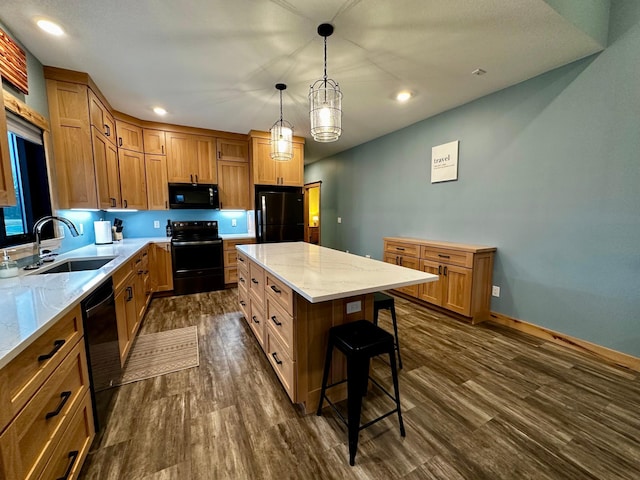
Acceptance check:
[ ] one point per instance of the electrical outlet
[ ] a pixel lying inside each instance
(339, 219)
(156, 224)
(234, 223)
(495, 291)
(368, 256)
(353, 307)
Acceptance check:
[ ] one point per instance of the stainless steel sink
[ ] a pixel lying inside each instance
(77, 265)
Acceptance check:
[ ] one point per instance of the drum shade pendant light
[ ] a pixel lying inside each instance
(325, 101)
(281, 135)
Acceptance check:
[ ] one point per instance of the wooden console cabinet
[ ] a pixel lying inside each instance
(465, 273)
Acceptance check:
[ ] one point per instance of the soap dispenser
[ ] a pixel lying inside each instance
(8, 267)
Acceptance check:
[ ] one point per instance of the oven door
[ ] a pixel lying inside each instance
(198, 266)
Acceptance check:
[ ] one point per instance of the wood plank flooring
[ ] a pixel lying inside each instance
(480, 402)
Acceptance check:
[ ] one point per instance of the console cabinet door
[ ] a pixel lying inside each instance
(233, 185)
(157, 190)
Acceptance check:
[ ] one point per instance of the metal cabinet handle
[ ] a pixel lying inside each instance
(242, 279)
(444, 256)
(275, 357)
(255, 319)
(196, 178)
(113, 201)
(57, 345)
(126, 204)
(400, 248)
(243, 303)
(445, 270)
(162, 149)
(64, 396)
(439, 269)
(275, 289)
(275, 320)
(119, 141)
(73, 455)
(254, 281)
(107, 131)
(191, 177)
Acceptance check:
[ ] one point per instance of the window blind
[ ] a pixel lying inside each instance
(23, 129)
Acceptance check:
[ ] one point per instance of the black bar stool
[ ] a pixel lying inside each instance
(359, 341)
(382, 301)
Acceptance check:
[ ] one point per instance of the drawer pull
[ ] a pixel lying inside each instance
(243, 303)
(241, 259)
(275, 320)
(255, 281)
(445, 270)
(255, 319)
(64, 396)
(400, 248)
(242, 279)
(444, 256)
(73, 455)
(107, 130)
(275, 289)
(57, 345)
(275, 357)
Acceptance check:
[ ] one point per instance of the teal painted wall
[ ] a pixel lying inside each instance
(549, 173)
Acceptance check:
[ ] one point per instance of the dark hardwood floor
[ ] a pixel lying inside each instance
(480, 402)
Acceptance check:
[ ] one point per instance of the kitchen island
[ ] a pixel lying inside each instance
(291, 294)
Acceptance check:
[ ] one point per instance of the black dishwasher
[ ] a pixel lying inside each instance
(101, 340)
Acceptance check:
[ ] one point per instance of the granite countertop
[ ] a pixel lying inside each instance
(319, 274)
(237, 236)
(31, 303)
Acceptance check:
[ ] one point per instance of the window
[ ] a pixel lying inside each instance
(31, 184)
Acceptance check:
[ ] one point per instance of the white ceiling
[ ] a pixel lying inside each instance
(214, 63)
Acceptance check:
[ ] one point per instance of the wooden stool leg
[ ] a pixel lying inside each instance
(375, 314)
(325, 375)
(395, 331)
(396, 389)
(354, 404)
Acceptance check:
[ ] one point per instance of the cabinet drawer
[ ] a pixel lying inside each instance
(243, 261)
(231, 275)
(243, 279)
(257, 323)
(22, 377)
(281, 292)
(281, 324)
(454, 257)
(29, 440)
(256, 283)
(120, 276)
(282, 364)
(408, 249)
(230, 258)
(231, 244)
(243, 299)
(69, 455)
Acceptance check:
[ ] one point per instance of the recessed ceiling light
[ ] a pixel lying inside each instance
(159, 111)
(50, 27)
(404, 96)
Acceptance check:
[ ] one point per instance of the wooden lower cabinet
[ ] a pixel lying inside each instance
(43, 422)
(231, 258)
(294, 332)
(465, 273)
(126, 314)
(161, 267)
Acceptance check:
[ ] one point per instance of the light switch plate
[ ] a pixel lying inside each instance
(495, 291)
(353, 307)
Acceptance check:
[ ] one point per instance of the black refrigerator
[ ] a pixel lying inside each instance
(279, 217)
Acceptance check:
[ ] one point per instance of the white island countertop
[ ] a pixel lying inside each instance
(319, 274)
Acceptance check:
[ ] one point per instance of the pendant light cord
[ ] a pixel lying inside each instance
(325, 62)
(281, 108)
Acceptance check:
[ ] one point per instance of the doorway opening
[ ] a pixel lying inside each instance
(312, 213)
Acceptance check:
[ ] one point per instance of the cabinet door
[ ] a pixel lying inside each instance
(105, 157)
(457, 289)
(414, 263)
(125, 306)
(161, 272)
(181, 156)
(264, 168)
(206, 171)
(71, 134)
(129, 136)
(157, 190)
(291, 173)
(101, 118)
(432, 291)
(154, 142)
(132, 179)
(232, 150)
(233, 185)
(7, 192)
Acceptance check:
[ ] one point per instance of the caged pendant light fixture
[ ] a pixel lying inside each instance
(325, 101)
(281, 135)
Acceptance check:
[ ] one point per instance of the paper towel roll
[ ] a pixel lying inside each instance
(103, 232)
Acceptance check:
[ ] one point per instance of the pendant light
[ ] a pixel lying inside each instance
(325, 101)
(281, 135)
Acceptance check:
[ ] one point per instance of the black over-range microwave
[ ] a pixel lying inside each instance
(187, 195)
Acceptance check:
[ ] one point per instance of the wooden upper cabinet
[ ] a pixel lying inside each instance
(233, 185)
(7, 192)
(101, 118)
(157, 190)
(129, 136)
(267, 171)
(132, 179)
(71, 134)
(105, 158)
(154, 142)
(191, 158)
(232, 150)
